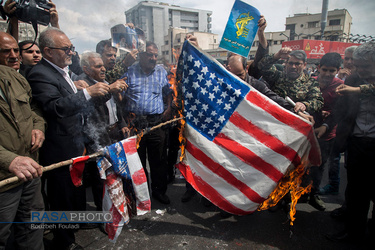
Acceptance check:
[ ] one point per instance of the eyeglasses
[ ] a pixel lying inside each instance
(297, 64)
(65, 49)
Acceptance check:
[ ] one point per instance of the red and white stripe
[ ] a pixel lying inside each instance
(114, 199)
(243, 164)
(138, 175)
(115, 203)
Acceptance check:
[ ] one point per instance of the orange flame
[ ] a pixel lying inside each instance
(139, 137)
(181, 137)
(177, 101)
(291, 182)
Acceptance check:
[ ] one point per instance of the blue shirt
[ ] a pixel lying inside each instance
(145, 92)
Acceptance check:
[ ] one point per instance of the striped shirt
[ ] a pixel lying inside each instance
(145, 92)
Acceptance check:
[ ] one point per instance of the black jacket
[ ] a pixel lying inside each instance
(96, 118)
(62, 110)
(346, 111)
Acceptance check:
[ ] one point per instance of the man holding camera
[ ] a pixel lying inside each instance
(29, 51)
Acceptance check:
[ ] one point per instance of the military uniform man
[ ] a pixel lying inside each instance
(293, 81)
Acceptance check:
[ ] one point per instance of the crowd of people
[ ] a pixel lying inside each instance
(56, 105)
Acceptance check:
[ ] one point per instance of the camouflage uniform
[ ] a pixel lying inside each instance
(304, 89)
(367, 89)
(113, 75)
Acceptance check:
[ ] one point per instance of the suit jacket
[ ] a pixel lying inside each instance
(96, 118)
(345, 114)
(62, 110)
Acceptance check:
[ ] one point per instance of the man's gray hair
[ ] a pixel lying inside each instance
(350, 49)
(299, 54)
(45, 37)
(365, 52)
(85, 58)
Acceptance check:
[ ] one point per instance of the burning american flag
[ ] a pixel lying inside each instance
(239, 143)
(125, 186)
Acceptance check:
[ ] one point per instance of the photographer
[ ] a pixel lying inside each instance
(10, 8)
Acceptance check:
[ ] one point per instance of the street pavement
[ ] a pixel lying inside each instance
(192, 225)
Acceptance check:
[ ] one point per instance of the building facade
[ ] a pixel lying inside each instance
(274, 39)
(308, 26)
(155, 19)
(176, 37)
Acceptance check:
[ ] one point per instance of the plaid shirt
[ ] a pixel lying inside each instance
(145, 93)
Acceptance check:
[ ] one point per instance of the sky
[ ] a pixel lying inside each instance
(86, 22)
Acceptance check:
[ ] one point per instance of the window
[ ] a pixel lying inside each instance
(290, 27)
(313, 24)
(334, 22)
(166, 42)
(275, 42)
(334, 38)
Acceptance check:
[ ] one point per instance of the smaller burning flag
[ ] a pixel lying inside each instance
(125, 186)
(76, 169)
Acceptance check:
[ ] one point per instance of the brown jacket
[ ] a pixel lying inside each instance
(17, 119)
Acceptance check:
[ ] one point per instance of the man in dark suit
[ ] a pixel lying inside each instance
(62, 107)
(104, 124)
(356, 134)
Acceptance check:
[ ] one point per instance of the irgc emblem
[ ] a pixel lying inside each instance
(241, 22)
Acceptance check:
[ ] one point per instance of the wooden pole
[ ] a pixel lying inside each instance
(69, 162)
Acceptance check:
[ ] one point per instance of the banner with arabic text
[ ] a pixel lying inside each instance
(241, 28)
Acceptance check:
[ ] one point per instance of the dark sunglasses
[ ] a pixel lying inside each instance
(65, 49)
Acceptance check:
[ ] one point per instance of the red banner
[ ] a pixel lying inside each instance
(315, 49)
